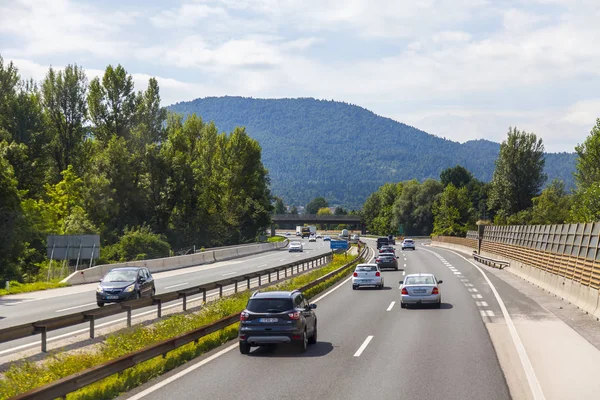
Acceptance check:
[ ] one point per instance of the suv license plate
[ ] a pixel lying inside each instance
(268, 320)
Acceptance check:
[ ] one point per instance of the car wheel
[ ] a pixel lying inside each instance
(313, 338)
(354, 287)
(402, 305)
(303, 344)
(439, 304)
(100, 304)
(244, 348)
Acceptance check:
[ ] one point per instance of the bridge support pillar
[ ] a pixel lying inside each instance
(272, 230)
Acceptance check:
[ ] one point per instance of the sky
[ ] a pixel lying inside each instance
(459, 69)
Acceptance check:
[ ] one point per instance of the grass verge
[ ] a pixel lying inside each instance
(275, 239)
(25, 376)
(18, 287)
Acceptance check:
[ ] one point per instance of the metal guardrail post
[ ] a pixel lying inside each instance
(185, 301)
(204, 295)
(277, 274)
(220, 291)
(269, 277)
(159, 308)
(92, 326)
(259, 283)
(129, 317)
(235, 287)
(44, 339)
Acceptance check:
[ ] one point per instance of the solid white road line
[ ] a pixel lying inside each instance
(174, 286)
(391, 306)
(534, 384)
(230, 273)
(481, 303)
(363, 346)
(72, 308)
(331, 291)
(181, 373)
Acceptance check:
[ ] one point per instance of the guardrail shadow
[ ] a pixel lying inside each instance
(319, 349)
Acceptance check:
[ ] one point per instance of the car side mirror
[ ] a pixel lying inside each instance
(141, 280)
(312, 306)
(401, 282)
(440, 282)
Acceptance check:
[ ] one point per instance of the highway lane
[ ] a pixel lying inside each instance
(29, 307)
(368, 348)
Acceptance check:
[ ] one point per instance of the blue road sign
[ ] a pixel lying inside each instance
(338, 244)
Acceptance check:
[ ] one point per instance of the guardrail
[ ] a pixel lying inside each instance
(42, 327)
(490, 261)
(91, 375)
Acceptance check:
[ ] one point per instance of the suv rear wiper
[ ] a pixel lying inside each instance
(274, 310)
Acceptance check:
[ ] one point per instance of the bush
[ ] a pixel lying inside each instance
(137, 244)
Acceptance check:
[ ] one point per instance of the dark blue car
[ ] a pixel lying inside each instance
(121, 284)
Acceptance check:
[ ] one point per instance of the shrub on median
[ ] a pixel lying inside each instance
(17, 287)
(23, 377)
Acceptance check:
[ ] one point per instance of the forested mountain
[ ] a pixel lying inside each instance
(344, 152)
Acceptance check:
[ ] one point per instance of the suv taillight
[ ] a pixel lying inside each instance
(244, 316)
(404, 291)
(435, 291)
(355, 274)
(377, 260)
(377, 273)
(294, 315)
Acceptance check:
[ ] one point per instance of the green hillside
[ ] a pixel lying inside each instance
(345, 152)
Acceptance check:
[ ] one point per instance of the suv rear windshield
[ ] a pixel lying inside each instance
(408, 240)
(269, 305)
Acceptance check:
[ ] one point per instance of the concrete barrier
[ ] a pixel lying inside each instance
(583, 297)
(96, 273)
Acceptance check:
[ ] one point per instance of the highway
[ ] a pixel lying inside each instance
(30, 307)
(368, 348)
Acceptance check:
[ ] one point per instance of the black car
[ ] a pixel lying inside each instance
(387, 260)
(391, 239)
(121, 284)
(382, 242)
(277, 317)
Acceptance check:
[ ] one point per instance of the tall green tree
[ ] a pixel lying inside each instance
(324, 211)
(458, 176)
(9, 79)
(339, 210)
(294, 210)
(552, 206)
(586, 204)
(315, 204)
(279, 206)
(112, 104)
(519, 173)
(413, 209)
(150, 115)
(453, 212)
(64, 96)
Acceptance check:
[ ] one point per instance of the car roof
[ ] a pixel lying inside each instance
(127, 269)
(276, 294)
(417, 275)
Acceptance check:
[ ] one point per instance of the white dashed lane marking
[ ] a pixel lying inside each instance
(363, 346)
(487, 313)
(391, 306)
(477, 296)
(481, 303)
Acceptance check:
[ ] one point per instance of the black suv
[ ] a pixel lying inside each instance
(382, 242)
(277, 317)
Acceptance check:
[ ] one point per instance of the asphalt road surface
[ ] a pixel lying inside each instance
(368, 348)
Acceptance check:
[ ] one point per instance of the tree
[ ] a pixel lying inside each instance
(294, 210)
(324, 211)
(150, 115)
(112, 104)
(453, 212)
(14, 230)
(519, 175)
(458, 176)
(586, 202)
(315, 204)
(413, 209)
(279, 206)
(9, 79)
(340, 211)
(64, 96)
(552, 206)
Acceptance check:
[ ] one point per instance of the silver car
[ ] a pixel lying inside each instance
(420, 289)
(367, 275)
(295, 246)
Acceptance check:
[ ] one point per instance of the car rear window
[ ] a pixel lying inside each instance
(367, 268)
(408, 241)
(269, 305)
(419, 280)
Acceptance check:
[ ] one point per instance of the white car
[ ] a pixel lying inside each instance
(312, 238)
(367, 275)
(408, 244)
(295, 246)
(420, 289)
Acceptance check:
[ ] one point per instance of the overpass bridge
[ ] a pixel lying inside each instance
(301, 219)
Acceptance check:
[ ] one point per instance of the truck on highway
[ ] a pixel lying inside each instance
(344, 234)
(305, 232)
(299, 230)
(313, 229)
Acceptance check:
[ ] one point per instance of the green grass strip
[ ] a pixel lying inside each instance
(17, 287)
(25, 376)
